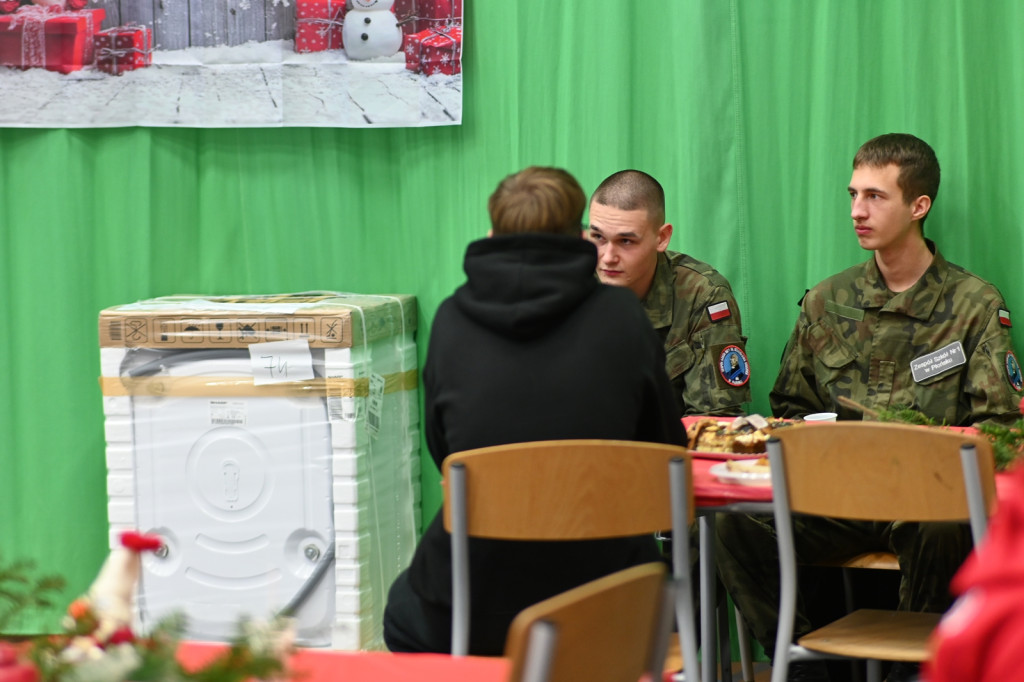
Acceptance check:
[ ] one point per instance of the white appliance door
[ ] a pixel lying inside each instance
(240, 489)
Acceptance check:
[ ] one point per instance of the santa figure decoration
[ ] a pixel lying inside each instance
(103, 616)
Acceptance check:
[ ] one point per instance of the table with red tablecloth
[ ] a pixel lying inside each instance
(711, 493)
(712, 497)
(324, 665)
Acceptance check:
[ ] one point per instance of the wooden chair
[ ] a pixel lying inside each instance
(569, 490)
(881, 561)
(871, 471)
(614, 629)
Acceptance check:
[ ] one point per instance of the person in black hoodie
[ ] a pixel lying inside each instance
(532, 347)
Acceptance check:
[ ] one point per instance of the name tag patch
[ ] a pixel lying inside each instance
(938, 362)
(844, 311)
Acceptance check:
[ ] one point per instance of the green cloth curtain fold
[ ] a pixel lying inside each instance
(748, 112)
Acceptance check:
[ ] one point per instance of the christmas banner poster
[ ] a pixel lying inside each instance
(230, 63)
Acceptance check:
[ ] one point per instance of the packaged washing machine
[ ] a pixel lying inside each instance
(273, 443)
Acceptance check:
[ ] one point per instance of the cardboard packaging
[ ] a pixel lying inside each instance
(273, 442)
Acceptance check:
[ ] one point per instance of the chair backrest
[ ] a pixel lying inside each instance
(614, 629)
(569, 490)
(565, 489)
(883, 471)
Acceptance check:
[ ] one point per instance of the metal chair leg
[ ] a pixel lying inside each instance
(724, 643)
(743, 640)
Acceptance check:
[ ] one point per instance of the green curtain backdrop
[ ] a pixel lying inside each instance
(748, 112)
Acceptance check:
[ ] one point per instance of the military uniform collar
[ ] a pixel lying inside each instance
(662, 289)
(914, 302)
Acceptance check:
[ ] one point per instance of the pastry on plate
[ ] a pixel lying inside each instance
(742, 436)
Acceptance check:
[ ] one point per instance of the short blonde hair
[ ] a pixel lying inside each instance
(538, 199)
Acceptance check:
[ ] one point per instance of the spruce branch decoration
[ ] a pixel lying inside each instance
(21, 589)
(1007, 441)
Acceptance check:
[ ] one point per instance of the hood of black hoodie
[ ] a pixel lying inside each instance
(523, 285)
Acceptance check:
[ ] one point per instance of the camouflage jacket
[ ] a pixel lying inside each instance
(693, 309)
(941, 347)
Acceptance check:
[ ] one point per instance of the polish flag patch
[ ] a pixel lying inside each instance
(1004, 318)
(720, 311)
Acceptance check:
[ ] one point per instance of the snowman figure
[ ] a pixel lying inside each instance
(370, 29)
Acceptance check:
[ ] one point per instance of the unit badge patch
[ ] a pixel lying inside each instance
(733, 366)
(1013, 371)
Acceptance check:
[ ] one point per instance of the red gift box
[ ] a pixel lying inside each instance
(318, 25)
(415, 16)
(49, 37)
(124, 48)
(436, 50)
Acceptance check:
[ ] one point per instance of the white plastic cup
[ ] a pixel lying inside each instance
(820, 417)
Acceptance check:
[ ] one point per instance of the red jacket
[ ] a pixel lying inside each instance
(981, 637)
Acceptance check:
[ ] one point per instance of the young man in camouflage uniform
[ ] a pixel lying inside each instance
(904, 328)
(689, 303)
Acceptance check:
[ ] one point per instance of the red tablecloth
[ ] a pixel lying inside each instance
(708, 491)
(321, 665)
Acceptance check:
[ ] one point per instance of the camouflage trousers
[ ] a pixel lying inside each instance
(748, 564)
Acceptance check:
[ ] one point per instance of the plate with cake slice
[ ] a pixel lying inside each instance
(743, 472)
